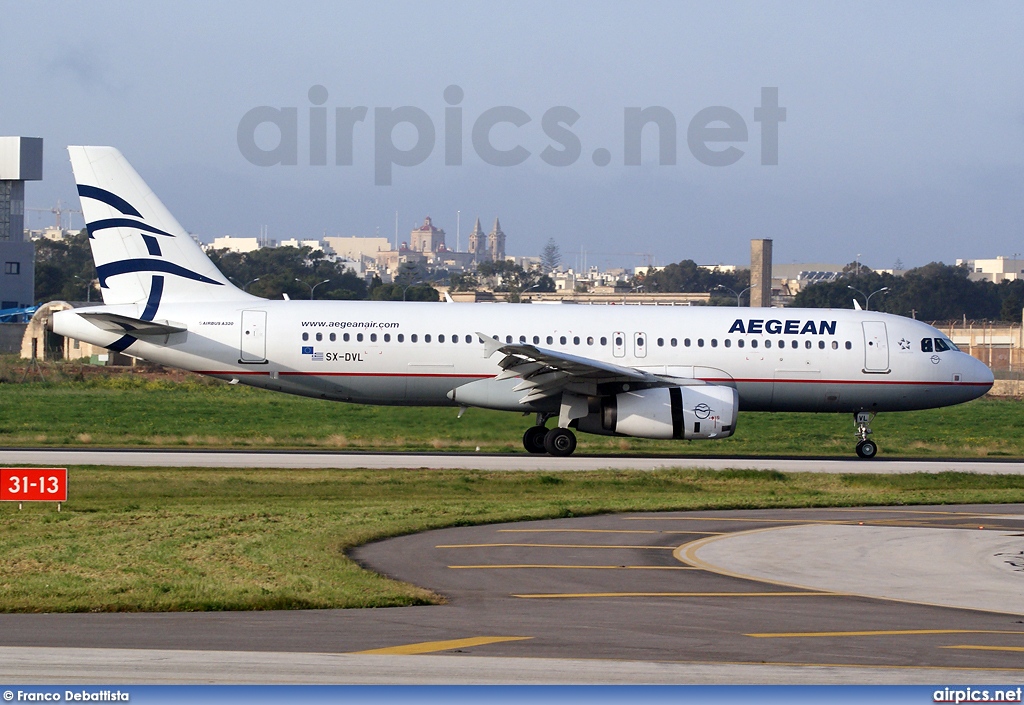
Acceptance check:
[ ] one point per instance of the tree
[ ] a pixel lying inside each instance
(550, 256)
(278, 267)
(65, 269)
(687, 277)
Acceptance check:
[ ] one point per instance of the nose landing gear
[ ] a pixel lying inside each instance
(866, 449)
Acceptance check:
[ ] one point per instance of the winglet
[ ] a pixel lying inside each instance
(856, 305)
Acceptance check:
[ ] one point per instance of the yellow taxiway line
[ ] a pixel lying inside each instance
(984, 648)
(427, 647)
(600, 531)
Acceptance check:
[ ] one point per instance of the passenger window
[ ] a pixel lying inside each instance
(333, 337)
(796, 345)
(740, 343)
(926, 344)
(373, 337)
(821, 345)
(562, 340)
(440, 338)
(522, 339)
(469, 339)
(455, 338)
(835, 344)
(728, 343)
(767, 343)
(604, 340)
(387, 337)
(401, 338)
(686, 342)
(345, 337)
(508, 338)
(576, 340)
(753, 343)
(319, 337)
(590, 340)
(782, 344)
(550, 340)
(661, 342)
(536, 339)
(700, 342)
(673, 342)
(305, 336)
(714, 342)
(413, 338)
(426, 338)
(849, 345)
(618, 340)
(940, 345)
(807, 344)
(359, 337)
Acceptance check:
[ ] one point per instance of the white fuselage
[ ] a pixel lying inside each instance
(418, 353)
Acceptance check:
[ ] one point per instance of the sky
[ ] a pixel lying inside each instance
(903, 137)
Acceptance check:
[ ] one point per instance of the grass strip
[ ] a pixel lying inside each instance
(144, 539)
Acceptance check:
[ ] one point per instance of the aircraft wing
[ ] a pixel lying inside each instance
(549, 372)
(116, 323)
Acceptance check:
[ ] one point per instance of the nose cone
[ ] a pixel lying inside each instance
(979, 376)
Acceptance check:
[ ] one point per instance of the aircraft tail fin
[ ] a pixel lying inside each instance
(142, 254)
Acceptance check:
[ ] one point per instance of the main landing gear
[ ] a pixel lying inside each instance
(560, 442)
(865, 449)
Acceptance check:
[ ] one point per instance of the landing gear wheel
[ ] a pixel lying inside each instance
(533, 439)
(560, 442)
(867, 449)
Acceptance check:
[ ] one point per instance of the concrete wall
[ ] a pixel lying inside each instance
(11, 335)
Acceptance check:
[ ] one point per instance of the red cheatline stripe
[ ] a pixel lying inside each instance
(487, 376)
(725, 380)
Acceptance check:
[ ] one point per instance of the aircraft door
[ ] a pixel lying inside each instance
(640, 344)
(619, 344)
(253, 346)
(876, 347)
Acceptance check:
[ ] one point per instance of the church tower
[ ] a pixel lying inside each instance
(496, 243)
(476, 242)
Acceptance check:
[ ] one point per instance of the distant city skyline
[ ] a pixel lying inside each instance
(903, 136)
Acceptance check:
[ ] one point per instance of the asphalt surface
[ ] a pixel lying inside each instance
(476, 461)
(619, 598)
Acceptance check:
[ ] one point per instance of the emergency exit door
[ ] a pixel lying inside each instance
(876, 347)
(253, 346)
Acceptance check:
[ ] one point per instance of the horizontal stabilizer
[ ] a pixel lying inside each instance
(116, 323)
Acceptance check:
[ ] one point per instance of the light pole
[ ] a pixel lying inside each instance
(88, 287)
(519, 296)
(313, 287)
(246, 287)
(722, 286)
(406, 287)
(867, 298)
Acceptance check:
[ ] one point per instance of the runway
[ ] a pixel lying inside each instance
(846, 595)
(476, 461)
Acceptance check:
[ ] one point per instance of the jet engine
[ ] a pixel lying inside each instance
(665, 412)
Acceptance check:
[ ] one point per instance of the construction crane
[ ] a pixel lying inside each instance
(59, 212)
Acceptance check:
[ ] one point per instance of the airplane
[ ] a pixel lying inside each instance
(639, 371)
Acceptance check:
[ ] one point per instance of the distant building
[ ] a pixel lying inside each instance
(994, 270)
(314, 245)
(427, 238)
(241, 244)
(355, 248)
(496, 243)
(21, 160)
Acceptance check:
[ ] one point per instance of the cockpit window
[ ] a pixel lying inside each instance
(926, 344)
(940, 345)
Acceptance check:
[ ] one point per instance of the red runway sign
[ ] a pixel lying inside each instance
(33, 484)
